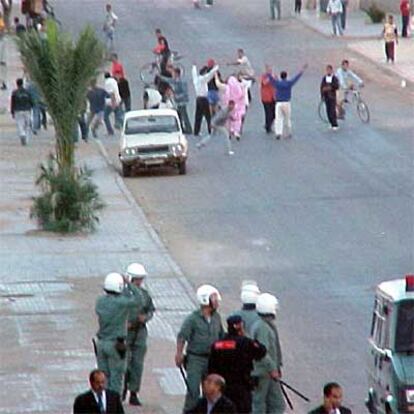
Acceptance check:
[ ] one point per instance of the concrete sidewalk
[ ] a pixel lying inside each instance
(364, 38)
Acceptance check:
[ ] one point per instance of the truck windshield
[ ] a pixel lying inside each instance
(151, 124)
(404, 340)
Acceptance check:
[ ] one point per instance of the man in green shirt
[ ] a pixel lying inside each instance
(112, 310)
(268, 396)
(141, 313)
(198, 331)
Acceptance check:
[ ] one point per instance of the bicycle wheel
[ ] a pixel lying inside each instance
(363, 111)
(148, 72)
(322, 112)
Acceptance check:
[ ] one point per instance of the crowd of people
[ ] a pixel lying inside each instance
(238, 369)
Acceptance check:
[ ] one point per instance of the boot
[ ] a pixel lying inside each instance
(133, 399)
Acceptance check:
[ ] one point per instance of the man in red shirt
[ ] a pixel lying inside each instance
(117, 69)
(268, 96)
(405, 16)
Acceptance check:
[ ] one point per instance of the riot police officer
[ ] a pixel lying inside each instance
(268, 396)
(141, 313)
(249, 294)
(199, 330)
(112, 310)
(232, 357)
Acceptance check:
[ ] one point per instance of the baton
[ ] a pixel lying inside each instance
(95, 350)
(185, 379)
(286, 396)
(294, 391)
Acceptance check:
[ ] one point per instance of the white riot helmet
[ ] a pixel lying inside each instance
(135, 270)
(249, 292)
(204, 293)
(267, 304)
(114, 283)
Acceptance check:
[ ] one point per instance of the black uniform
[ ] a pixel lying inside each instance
(232, 357)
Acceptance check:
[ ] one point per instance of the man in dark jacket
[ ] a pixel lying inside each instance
(124, 92)
(21, 110)
(232, 357)
(332, 401)
(98, 400)
(213, 402)
(329, 86)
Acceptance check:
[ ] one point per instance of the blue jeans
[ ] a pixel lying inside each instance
(336, 24)
(119, 118)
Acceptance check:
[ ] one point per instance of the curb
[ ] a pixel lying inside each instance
(153, 234)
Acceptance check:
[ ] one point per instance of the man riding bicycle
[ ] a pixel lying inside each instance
(348, 81)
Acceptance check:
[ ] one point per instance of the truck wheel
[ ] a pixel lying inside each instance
(126, 170)
(182, 168)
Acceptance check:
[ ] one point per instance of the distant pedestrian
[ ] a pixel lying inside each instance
(298, 6)
(98, 399)
(112, 104)
(200, 81)
(405, 16)
(21, 110)
(332, 401)
(214, 401)
(267, 396)
(139, 316)
(232, 357)
(37, 104)
(198, 331)
(97, 97)
(213, 93)
(284, 87)
(117, 68)
(109, 27)
(390, 35)
(112, 310)
(335, 9)
(343, 14)
(180, 89)
(329, 87)
(268, 96)
(124, 92)
(275, 5)
(220, 125)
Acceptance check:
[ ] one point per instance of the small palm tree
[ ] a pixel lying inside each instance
(62, 70)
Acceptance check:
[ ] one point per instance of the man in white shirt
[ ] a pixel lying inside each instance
(243, 63)
(98, 399)
(152, 98)
(335, 10)
(348, 79)
(200, 81)
(109, 27)
(112, 104)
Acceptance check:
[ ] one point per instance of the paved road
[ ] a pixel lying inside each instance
(319, 219)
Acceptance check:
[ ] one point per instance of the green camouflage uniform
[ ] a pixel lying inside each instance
(199, 335)
(267, 396)
(112, 311)
(137, 336)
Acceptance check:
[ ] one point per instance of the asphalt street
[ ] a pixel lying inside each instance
(318, 220)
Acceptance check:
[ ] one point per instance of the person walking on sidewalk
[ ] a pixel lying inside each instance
(335, 9)
(199, 330)
(200, 81)
(390, 35)
(109, 28)
(343, 14)
(112, 310)
(284, 87)
(298, 6)
(141, 314)
(329, 86)
(275, 5)
(220, 124)
(21, 110)
(98, 399)
(405, 16)
(112, 104)
(268, 96)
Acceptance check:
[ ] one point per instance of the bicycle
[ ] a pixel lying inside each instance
(361, 107)
(150, 70)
